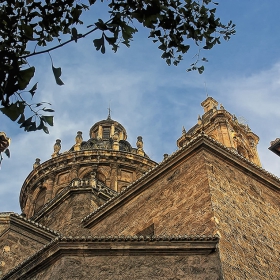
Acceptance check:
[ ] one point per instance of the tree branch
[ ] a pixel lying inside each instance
(63, 44)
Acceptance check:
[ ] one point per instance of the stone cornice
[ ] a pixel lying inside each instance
(202, 141)
(17, 221)
(113, 245)
(63, 195)
(66, 160)
(218, 115)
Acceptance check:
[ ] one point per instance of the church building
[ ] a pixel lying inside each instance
(104, 210)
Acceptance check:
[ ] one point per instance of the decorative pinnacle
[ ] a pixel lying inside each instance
(183, 131)
(109, 113)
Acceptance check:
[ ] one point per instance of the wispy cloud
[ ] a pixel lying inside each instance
(147, 97)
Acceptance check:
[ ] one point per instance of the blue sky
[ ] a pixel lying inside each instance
(152, 99)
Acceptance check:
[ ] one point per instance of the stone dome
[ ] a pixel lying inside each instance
(109, 135)
(107, 154)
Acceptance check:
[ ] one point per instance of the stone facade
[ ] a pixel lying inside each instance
(177, 202)
(105, 210)
(124, 258)
(20, 238)
(246, 207)
(224, 127)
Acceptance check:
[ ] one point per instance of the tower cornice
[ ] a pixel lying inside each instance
(65, 162)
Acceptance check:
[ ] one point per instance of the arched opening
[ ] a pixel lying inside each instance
(40, 201)
(242, 151)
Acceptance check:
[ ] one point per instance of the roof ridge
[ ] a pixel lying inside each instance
(71, 186)
(178, 151)
(116, 238)
(36, 224)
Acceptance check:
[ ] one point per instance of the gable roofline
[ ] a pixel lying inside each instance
(76, 185)
(28, 225)
(201, 141)
(102, 245)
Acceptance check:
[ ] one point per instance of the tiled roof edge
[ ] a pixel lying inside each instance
(115, 238)
(189, 144)
(17, 216)
(140, 238)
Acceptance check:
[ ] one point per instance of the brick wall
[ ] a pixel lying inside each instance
(14, 248)
(177, 203)
(191, 267)
(247, 212)
(66, 216)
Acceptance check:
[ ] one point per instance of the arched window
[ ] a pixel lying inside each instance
(40, 200)
(106, 132)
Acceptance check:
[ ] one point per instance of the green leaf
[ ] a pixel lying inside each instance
(21, 119)
(48, 120)
(48, 110)
(74, 34)
(7, 152)
(41, 125)
(26, 123)
(57, 74)
(32, 127)
(24, 77)
(101, 25)
(99, 44)
(32, 91)
(28, 31)
(14, 110)
(200, 69)
(110, 40)
(46, 130)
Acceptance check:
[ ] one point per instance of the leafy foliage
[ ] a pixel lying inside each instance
(175, 25)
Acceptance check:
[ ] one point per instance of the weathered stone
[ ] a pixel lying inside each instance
(208, 211)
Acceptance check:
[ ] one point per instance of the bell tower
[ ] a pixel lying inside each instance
(225, 128)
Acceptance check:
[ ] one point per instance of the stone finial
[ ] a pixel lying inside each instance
(183, 131)
(79, 140)
(274, 141)
(56, 148)
(139, 142)
(222, 107)
(4, 142)
(208, 104)
(109, 113)
(92, 179)
(79, 137)
(199, 120)
(165, 156)
(36, 163)
(139, 145)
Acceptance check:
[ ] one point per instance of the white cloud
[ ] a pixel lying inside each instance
(149, 98)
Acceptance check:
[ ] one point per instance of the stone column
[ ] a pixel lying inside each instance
(99, 134)
(121, 136)
(112, 130)
(49, 188)
(222, 128)
(116, 145)
(114, 178)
